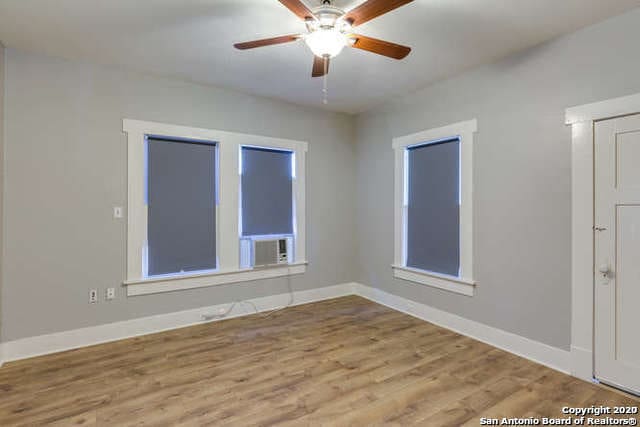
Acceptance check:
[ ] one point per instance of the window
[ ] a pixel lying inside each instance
(433, 207)
(267, 191)
(189, 201)
(181, 203)
(433, 230)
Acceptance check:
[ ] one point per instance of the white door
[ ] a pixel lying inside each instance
(617, 252)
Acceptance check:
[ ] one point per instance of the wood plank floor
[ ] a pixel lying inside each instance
(341, 362)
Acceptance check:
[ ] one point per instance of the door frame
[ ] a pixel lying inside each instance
(581, 118)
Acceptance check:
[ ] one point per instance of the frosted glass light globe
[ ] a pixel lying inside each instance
(326, 42)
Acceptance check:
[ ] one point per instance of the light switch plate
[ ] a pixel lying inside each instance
(117, 212)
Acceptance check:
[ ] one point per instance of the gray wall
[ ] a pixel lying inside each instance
(522, 174)
(66, 169)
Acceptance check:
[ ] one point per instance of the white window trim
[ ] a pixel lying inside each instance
(464, 284)
(228, 238)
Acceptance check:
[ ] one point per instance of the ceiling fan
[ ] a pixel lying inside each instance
(330, 30)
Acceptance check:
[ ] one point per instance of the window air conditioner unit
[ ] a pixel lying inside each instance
(264, 252)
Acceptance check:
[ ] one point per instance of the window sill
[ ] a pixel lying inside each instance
(440, 281)
(170, 284)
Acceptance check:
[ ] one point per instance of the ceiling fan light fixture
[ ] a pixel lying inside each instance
(330, 29)
(326, 42)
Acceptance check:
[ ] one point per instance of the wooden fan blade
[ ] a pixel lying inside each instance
(297, 7)
(372, 9)
(267, 42)
(380, 47)
(320, 66)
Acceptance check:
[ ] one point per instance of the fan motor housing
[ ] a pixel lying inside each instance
(328, 15)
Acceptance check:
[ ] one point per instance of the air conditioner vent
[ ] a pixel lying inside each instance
(263, 252)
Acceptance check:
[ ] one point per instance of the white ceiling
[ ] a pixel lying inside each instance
(192, 40)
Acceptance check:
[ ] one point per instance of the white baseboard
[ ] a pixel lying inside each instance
(544, 354)
(582, 363)
(538, 352)
(67, 340)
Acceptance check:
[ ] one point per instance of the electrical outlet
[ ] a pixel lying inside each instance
(110, 294)
(93, 296)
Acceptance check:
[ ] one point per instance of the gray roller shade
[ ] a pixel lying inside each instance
(433, 214)
(267, 193)
(181, 196)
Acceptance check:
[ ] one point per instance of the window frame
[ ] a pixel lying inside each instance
(464, 283)
(227, 216)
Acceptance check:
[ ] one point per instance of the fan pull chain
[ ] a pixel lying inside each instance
(325, 78)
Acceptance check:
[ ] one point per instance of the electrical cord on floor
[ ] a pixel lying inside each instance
(207, 317)
(289, 304)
